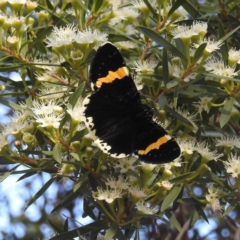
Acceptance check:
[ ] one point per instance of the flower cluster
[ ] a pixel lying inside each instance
(172, 58)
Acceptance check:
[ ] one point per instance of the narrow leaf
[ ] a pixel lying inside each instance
(229, 34)
(226, 112)
(66, 200)
(55, 227)
(111, 232)
(163, 42)
(231, 206)
(175, 223)
(76, 95)
(26, 175)
(181, 46)
(6, 174)
(175, 6)
(165, 70)
(173, 194)
(40, 192)
(98, 225)
(57, 152)
(199, 52)
(195, 217)
(191, 9)
(224, 47)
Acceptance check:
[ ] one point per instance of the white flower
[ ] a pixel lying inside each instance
(181, 12)
(183, 32)
(234, 55)
(190, 117)
(213, 199)
(76, 113)
(126, 164)
(173, 164)
(120, 183)
(178, 71)
(108, 195)
(211, 45)
(130, 29)
(140, 4)
(61, 36)
(45, 77)
(187, 145)
(70, 11)
(14, 127)
(138, 82)
(145, 66)
(206, 153)
(200, 27)
(217, 66)
(89, 36)
(54, 92)
(167, 185)
(137, 192)
(49, 120)
(42, 108)
(148, 167)
(126, 45)
(233, 165)
(230, 142)
(203, 104)
(143, 208)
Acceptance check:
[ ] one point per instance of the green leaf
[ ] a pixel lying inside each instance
(6, 174)
(57, 152)
(76, 95)
(226, 112)
(149, 6)
(224, 47)
(175, 223)
(26, 175)
(173, 83)
(40, 192)
(231, 206)
(177, 115)
(65, 226)
(181, 46)
(191, 9)
(216, 179)
(172, 195)
(162, 100)
(181, 178)
(88, 209)
(98, 225)
(195, 217)
(80, 182)
(153, 175)
(96, 6)
(225, 37)
(165, 69)
(12, 105)
(163, 42)
(175, 6)
(220, 77)
(55, 227)
(199, 52)
(66, 200)
(110, 233)
(200, 211)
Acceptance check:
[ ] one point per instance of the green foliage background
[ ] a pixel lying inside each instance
(74, 159)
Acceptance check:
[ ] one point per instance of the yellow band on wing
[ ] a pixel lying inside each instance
(119, 74)
(155, 145)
